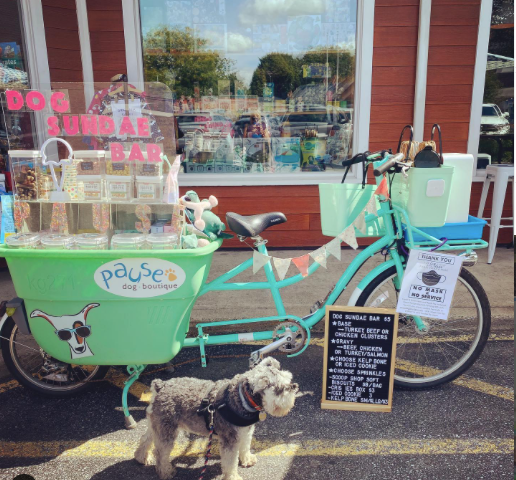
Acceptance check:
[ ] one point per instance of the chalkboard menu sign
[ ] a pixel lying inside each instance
(359, 357)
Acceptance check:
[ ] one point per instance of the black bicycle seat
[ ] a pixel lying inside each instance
(253, 225)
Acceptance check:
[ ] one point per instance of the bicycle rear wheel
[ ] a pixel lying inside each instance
(447, 348)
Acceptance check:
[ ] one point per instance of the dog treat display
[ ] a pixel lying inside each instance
(25, 182)
(118, 168)
(119, 188)
(148, 190)
(88, 167)
(149, 169)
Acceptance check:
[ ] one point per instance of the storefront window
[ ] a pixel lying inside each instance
(258, 86)
(13, 75)
(497, 124)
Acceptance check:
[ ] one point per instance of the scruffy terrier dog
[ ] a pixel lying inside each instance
(185, 404)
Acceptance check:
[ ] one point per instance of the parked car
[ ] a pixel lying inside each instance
(494, 121)
(293, 124)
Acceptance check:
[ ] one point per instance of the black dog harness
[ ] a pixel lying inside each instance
(222, 405)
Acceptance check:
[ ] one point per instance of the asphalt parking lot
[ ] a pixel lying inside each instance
(463, 430)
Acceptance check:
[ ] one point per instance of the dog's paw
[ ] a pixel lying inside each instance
(165, 472)
(233, 476)
(248, 460)
(144, 459)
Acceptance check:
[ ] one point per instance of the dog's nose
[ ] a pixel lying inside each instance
(295, 387)
(80, 349)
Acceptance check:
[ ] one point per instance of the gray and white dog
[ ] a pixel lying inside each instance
(185, 403)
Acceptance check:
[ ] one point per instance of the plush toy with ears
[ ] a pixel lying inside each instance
(199, 214)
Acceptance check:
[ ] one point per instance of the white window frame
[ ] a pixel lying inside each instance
(362, 106)
(479, 77)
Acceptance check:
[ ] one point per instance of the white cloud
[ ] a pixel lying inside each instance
(266, 11)
(238, 43)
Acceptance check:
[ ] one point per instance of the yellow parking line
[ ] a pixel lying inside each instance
(464, 381)
(8, 386)
(266, 448)
(138, 389)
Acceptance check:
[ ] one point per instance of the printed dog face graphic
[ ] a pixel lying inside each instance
(71, 329)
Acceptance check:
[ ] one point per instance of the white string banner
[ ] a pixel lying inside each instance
(281, 265)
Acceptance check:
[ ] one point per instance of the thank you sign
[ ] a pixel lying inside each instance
(428, 284)
(359, 357)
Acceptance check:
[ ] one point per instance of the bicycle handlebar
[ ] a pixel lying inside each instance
(388, 164)
(369, 157)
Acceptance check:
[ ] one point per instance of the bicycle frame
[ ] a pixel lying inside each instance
(222, 283)
(393, 218)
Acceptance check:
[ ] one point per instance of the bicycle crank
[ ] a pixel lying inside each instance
(298, 336)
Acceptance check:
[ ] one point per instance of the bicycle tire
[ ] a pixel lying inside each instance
(481, 337)
(9, 331)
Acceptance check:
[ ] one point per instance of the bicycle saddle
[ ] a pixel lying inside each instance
(253, 225)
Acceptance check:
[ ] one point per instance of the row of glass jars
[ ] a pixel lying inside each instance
(94, 241)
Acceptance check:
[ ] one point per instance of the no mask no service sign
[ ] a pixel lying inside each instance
(359, 357)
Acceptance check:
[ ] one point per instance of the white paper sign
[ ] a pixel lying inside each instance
(428, 284)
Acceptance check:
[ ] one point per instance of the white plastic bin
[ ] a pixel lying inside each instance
(460, 196)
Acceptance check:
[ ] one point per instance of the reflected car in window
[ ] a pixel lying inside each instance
(493, 121)
(326, 122)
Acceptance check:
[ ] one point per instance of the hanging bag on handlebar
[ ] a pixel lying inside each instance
(341, 203)
(427, 157)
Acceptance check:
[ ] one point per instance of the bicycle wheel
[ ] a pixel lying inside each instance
(447, 348)
(36, 370)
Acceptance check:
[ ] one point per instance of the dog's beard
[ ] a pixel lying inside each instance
(278, 405)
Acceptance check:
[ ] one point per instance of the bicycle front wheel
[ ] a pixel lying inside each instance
(445, 349)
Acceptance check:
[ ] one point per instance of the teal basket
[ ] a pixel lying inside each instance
(341, 203)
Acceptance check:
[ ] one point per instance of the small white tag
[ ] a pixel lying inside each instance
(245, 337)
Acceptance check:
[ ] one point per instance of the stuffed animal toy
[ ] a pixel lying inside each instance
(203, 219)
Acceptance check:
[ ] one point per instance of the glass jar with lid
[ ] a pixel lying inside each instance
(23, 240)
(57, 241)
(162, 241)
(91, 241)
(23, 168)
(89, 165)
(128, 241)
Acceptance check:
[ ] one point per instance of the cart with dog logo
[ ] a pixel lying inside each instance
(80, 311)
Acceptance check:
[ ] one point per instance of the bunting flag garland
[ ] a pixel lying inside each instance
(383, 188)
(371, 206)
(282, 265)
(360, 223)
(319, 256)
(302, 264)
(333, 248)
(259, 260)
(348, 236)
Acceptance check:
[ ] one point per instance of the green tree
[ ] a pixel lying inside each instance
(492, 87)
(175, 57)
(280, 68)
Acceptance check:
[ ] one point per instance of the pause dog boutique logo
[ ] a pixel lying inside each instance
(139, 277)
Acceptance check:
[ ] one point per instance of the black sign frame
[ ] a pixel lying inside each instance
(381, 325)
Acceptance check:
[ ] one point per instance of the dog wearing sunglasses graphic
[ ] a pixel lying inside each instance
(71, 329)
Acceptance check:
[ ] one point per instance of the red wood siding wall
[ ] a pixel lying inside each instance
(105, 19)
(62, 37)
(451, 64)
(453, 34)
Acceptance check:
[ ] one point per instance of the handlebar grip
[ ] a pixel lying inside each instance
(391, 162)
(359, 158)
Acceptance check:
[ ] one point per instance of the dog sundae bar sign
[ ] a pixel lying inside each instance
(125, 123)
(359, 357)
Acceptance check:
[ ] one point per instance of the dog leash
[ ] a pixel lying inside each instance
(211, 410)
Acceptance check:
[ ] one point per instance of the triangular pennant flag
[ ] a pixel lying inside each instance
(360, 223)
(371, 206)
(281, 265)
(259, 260)
(319, 256)
(333, 247)
(348, 236)
(383, 188)
(302, 264)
